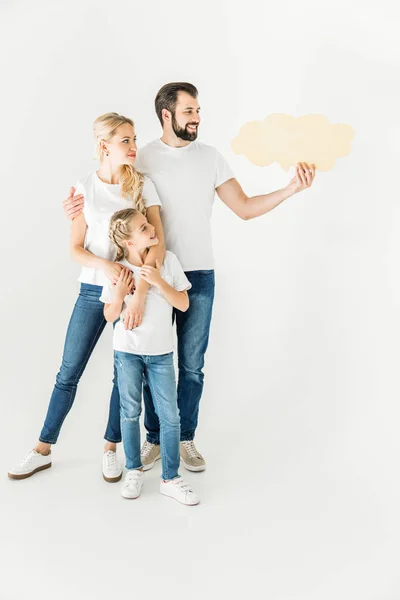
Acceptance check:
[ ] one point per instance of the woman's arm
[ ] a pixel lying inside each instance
(83, 257)
(156, 252)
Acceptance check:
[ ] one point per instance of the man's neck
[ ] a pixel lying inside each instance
(173, 140)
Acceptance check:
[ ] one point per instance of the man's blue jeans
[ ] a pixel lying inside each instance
(85, 328)
(193, 328)
(160, 376)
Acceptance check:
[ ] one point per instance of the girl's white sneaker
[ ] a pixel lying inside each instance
(31, 464)
(132, 485)
(179, 490)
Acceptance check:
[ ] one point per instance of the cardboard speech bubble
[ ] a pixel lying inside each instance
(288, 140)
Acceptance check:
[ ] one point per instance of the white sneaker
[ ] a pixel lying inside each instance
(32, 463)
(179, 490)
(132, 485)
(149, 454)
(112, 471)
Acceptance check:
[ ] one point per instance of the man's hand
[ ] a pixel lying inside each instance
(303, 179)
(73, 205)
(152, 274)
(133, 314)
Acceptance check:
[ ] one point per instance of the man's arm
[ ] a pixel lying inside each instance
(232, 194)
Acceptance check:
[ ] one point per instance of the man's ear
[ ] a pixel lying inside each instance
(166, 115)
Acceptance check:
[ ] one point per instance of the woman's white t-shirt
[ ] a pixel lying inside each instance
(155, 334)
(101, 201)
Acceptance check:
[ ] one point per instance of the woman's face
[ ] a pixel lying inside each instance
(122, 148)
(143, 234)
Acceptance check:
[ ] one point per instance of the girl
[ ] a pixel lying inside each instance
(114, 186)
(148, 350)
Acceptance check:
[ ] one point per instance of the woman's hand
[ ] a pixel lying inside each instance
(125, 284)
(134, 311)
(152, 274)
(304, 177)
(112, 270)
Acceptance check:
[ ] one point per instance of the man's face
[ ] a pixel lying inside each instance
(186, 120)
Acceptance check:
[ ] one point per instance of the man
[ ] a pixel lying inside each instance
(186, 174)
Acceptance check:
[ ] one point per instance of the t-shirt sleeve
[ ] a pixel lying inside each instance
(223, 171)
(150, 195)
(179, 279)
(80, 189)
(107, 293)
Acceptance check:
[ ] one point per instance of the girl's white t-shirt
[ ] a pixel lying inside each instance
(101, 201)
(155, 334)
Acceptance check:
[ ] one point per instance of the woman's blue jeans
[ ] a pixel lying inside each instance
(160, 376)
(85, 328)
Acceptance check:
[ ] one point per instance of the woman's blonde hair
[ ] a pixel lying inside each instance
(121, 230)
(131, 181)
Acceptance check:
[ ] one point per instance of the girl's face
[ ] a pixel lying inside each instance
(143, 234)
(122, 148)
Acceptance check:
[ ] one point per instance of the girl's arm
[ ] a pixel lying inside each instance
(156, 252)
(179, 300)
(112, 311)
(86, 258)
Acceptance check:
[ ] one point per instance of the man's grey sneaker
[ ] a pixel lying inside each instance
(179, 490)
(31, 464)
(191, 458)
(112, 471)
(149, 454)
(132, 485)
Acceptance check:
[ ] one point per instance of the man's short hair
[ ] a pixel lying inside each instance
(167, 96)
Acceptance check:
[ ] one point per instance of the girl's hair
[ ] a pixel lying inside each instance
(121, 230)
(131, 181)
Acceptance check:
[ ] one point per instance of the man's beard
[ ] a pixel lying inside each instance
(182, 132)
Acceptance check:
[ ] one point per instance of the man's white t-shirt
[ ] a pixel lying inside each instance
(102, 200)
(155, 334)
(185, 180)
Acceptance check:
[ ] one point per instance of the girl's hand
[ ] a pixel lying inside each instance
(123, 287)
(151, 274)
(133, 314)
(112, 270)
(304, 177)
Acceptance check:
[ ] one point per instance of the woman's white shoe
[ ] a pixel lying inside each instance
(31, 464)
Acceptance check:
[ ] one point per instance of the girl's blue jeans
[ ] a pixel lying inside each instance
(160, 376)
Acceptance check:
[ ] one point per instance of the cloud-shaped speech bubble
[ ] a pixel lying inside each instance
(289, 140)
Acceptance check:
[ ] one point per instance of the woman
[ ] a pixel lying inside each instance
(116, 185)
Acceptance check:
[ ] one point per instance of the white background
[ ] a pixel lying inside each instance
(300, 415)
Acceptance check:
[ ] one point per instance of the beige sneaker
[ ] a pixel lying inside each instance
(191, 458)
(149, 454)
